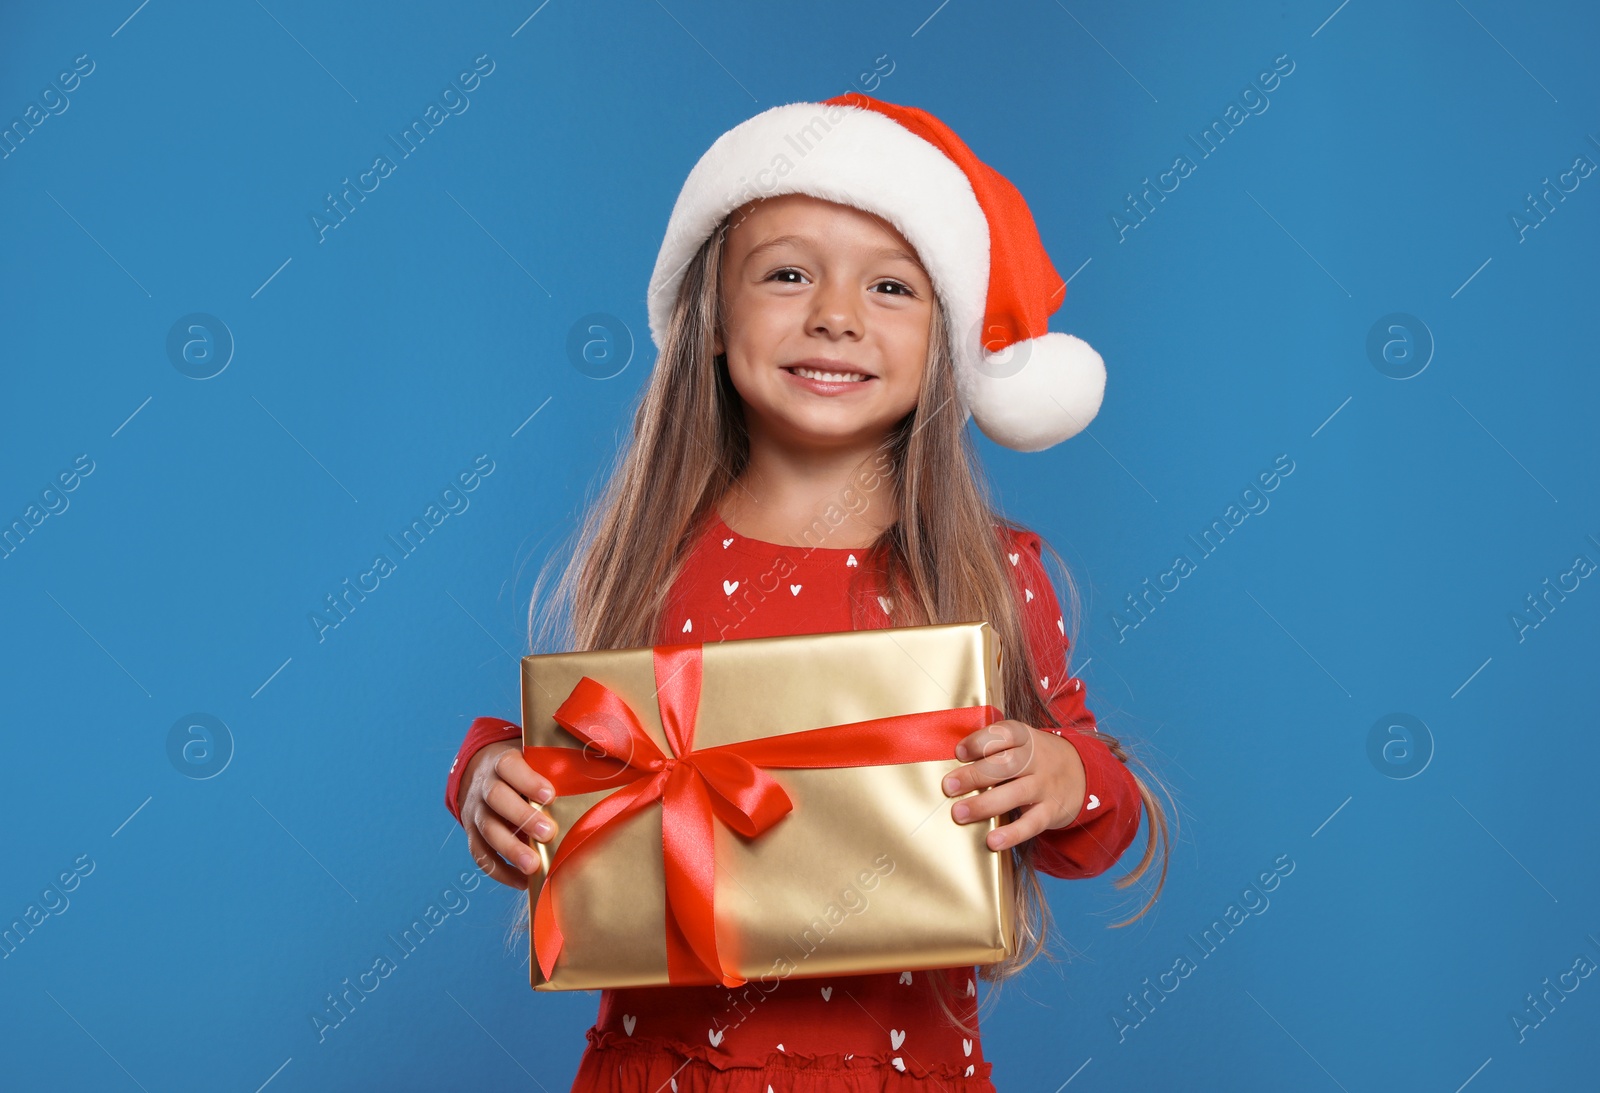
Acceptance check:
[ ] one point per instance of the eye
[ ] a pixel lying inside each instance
(905, 290)
(787, 269)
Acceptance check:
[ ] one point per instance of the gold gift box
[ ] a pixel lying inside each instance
(868, 873)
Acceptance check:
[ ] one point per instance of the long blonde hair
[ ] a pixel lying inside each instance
(946, 562)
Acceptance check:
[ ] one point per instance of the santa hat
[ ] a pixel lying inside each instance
(1028, 387)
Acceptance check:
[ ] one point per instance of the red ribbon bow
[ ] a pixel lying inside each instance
(693, 785)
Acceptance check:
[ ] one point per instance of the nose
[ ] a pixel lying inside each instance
(835, 309)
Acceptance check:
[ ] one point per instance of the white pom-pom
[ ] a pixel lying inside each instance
(1037, 393)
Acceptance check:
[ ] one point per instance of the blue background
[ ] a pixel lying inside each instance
(430, 326)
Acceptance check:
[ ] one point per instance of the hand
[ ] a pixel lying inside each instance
(1017, 766)
(496, 814)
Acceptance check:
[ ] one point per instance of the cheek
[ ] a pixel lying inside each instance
(754, 328)
(907, 345)
(739, 376)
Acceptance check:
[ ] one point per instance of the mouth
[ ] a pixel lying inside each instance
(831, 373)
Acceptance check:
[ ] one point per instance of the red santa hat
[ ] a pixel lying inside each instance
(1028, 387)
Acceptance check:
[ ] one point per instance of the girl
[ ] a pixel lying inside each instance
(800, 464)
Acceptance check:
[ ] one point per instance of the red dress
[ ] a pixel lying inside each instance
(841, 1033)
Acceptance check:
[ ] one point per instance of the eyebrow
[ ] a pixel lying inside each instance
(801, 240)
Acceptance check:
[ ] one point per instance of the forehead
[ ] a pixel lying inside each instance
(803, 217)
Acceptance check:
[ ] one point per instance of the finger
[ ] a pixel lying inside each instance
(1009, 733)
(506, 844)
(992, 739)
(981, 807)
(492, 864)
(980, 742)
(525, 820)
(993, 769)
(514, 770)
(1033, 821)
(985, 746)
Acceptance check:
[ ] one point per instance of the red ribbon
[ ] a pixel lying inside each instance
(727, 781)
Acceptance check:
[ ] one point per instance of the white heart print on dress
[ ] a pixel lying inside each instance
(897, 1036)
(628, 1021)
(1094, 802)
(899, 1064)
(970, 1069)
(794, 589)
(827, 994)
(905, 977)
(1013, 558)
(885, 604)
(851, 561)
(966, 1046)
(1029, 598)
(715, 1036)
(726, 543)
(729, 586)
(688, 624)
(972, 987)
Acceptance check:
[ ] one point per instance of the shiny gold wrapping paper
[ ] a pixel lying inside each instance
(869, 873)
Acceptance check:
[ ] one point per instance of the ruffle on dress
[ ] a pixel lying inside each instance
(615, 1063)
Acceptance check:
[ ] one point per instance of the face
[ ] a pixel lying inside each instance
(824, 288)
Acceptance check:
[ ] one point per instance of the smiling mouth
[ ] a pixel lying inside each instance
(827, 377)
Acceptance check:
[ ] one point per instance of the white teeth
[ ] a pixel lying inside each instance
(829, 377)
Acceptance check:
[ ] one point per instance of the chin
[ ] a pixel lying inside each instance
(839, 429)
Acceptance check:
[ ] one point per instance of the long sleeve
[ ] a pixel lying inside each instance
(484, 730)
(1106, 824)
